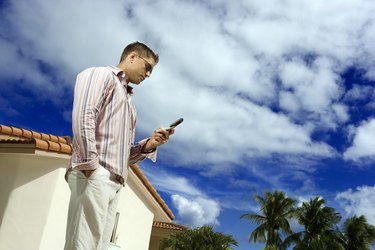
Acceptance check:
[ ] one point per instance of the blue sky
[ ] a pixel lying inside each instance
(275, 94)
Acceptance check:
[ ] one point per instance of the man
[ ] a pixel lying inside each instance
(103, 121)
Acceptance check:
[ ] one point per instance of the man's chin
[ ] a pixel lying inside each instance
(135, 82)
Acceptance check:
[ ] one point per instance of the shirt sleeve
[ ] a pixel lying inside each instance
(92, 88)
(136, 154)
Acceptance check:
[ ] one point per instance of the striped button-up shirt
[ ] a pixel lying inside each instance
(103, 122)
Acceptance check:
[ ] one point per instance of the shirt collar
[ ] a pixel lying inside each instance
(121, 75)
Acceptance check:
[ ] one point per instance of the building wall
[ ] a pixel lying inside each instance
(34, 201)
(157, 235)
(155, 242)
(136, 218)
(30, 185)
(54, 231)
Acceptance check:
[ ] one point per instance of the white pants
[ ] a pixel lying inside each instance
(92, 210)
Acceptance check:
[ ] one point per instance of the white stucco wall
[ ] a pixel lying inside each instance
(54, 231)
(30, 185)
(136, 218)
(34, 201)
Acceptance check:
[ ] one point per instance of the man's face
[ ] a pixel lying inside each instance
(139, 69)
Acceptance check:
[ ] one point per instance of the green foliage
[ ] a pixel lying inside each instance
(276, 209)
(319, 227)
(358, 234)
(200, 238)
(320, 230)
(271, 247)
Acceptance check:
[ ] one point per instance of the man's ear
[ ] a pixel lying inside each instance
(132, 56)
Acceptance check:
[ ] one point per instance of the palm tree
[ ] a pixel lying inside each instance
(319, 227)
(200, 238)
(271, 247)
(358, 234)
(275, 211)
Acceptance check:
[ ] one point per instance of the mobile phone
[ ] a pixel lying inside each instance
(174, 124)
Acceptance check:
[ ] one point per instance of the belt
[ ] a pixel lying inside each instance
(113, 177)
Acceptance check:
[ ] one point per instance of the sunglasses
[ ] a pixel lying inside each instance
(147, 64)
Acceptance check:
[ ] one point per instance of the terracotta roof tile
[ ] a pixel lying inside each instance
(41, 144)
(54, 146)
(36, 135)
(53, 138)
(65, 148)
(26, 133)
(16, 131)
(169, 225)
(5, 129)
(45, 137)
(42, 141)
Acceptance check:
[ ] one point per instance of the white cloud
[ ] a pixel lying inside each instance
(314, 88)
(358, 92)
(196, 212)
(289, 102)
(361, 93)
(359, 202)
(220, 128)
(171, 184)
(11, 57)
(253, 80)
(70, 35)
(363, 144)
(318, 27)
(368, 52)
(224, 66)
(194, 207)
(341, 112)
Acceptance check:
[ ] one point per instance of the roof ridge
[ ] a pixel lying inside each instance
(169, 225)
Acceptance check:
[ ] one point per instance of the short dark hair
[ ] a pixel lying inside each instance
(141, 49)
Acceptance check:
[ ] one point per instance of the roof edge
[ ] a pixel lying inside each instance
(152, 190)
